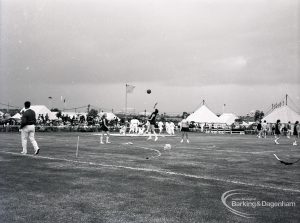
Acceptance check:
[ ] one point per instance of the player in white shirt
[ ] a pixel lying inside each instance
(131, 128)
(160, 126)
(167, 126)
(141, 129)
(184, 128)
(135, 123)
(172, 128)
(264, 126)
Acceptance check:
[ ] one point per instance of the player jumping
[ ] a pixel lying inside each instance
(151, 128)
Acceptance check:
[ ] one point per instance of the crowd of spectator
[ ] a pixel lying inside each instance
(136, 125)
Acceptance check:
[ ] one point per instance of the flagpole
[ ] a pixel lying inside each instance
(50, 102)
(125, 102)
(128, 89)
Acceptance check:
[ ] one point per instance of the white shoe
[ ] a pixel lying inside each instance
(101, 142)
(24, 153)
(276, 142)
(181, 141)
(149, 138)
(188, 141)
(294, 143)
(156, 138)
(107, 142)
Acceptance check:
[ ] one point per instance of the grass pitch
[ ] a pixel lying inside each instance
(135, 180)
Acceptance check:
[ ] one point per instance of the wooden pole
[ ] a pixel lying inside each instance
(125, 102)
(77, 147)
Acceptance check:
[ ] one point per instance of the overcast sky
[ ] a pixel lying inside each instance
(242, 53)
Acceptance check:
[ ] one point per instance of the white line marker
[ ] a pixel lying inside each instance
(160, 172)
(158, 152)
(132, 135)
(77, 147)
(276, 157)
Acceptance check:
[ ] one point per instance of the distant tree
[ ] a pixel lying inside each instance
(58, 114)
(185, 113)
(55, 110)
(239, 120)
(258, 115)
(92, 113)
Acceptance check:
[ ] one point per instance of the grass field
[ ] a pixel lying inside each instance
(117, 183)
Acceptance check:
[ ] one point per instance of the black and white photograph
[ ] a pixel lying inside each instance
(149, 111)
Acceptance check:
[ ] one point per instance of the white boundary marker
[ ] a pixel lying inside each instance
(77, 147)
(134, 135)
(276, 157)
(155, 150)
(160, 172)
(214, 148)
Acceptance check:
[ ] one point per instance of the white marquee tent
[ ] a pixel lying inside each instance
(228, 118)
(41, 110)
(17, 116)
(74, 114)
(110, 115)
(284, 113)
(203, 115)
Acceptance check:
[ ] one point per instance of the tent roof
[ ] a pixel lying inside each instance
(110, 115)
(203, 114)
(17, 116)
(245, 123)
(284, 113)
(228, 118)
(41, 110)
(71, 114)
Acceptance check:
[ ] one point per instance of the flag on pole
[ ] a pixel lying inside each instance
(63, 99)
(129, 88)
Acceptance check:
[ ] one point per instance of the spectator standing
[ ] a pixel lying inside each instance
(277, 131)
(259, 129)
(184, 128)
(289, 130)
(296, 132)
(104, 128)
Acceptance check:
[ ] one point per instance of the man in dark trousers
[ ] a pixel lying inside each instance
(27, 128)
